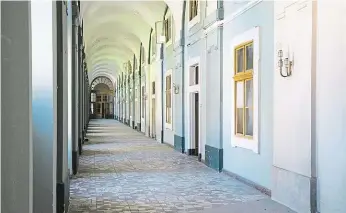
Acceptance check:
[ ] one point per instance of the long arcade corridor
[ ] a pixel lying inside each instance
(249, 88)
(121, 170)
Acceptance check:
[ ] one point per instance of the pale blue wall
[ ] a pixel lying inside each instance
(213, 105)
(169, 63)
(177, 98)
(254, 167)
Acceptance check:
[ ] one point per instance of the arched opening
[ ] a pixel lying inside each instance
(102, 98)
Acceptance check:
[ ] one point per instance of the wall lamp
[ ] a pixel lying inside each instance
(176, 88)
(288, 65)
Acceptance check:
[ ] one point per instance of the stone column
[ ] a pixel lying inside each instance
(75, 145)
(62, 109)
(133, 93)
(16, 106)
(80, 91)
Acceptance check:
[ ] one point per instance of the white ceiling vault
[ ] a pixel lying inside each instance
(114, 30)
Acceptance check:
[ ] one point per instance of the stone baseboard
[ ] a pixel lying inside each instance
(75, 162)
(294, 190)
(192, 152)
(179, 143)
(214, 157)
(80, 146)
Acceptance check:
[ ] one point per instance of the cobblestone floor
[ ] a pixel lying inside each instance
(121, 170)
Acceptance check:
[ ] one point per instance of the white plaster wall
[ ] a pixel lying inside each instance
(152, 77)
(292, 106)
(292, 95)
(44, 104)
(145, 104)
(148, 99)
(331, 106)
(158, 97)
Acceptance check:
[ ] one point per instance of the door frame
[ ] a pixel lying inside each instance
(153, 116)
(192, 126)
(194, 86)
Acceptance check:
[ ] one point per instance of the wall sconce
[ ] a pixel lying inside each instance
(176, 88)
(288, 65)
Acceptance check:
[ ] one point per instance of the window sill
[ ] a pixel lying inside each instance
(194, 21)
(169, 43)
(168, 126)
(245, 142)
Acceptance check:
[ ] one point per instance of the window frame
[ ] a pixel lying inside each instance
(251, 143)
(143, 101)
(194, 20)
(169, 124)
(168, 27)
(153, 46)
(143, 59)
(153, 88)
(243, 76)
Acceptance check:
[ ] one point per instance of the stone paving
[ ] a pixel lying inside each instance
(121, 170)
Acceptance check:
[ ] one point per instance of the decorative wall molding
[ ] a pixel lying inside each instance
(231, 17)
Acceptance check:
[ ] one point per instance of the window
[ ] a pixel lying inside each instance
(143, 56)
(153, 44)
(153, 87)
(169, 99)
(129, 66)
(194, 75)
(193, 9)
(243, 81)
(168, 28)
(105, 98)
(93, 97)
(98, 108)
(98, 98)
(143, 102)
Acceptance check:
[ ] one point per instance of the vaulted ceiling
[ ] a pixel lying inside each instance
(114, 30)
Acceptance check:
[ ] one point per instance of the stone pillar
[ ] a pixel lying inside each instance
(133, 93)
(75, 145)
(16, 110)
(82, 96)
(80, 91)
(0, 109)
(128, 111)
(62, 109)
(29, 106)
(44, 104)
